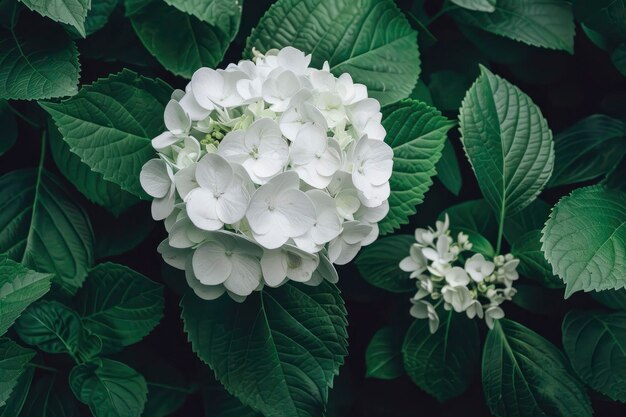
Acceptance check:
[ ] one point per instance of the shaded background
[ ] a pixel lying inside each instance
(567, 88)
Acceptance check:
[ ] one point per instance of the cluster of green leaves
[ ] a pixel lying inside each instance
(579, 244)
(277, 354)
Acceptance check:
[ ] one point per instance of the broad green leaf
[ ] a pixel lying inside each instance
(444, 363)
(416, 132)
(50, 397)
(475, 219)
(90, 183)
(192, 45)
(41, 227)
(533, 264)
(532, 217)
(16, 401)
(278, 351)
(119, 305)
(369, 39)
(614, 299)
(588, 149)
(525, 375)
(448, 170)
(109, 388)
(508, 143)
(383, 357)
(225, 14)
(19, 287)
(478, 5)
(115, 236)
(110, 124)
(585, 240)
(35, 67)
(72, 12)
(544, 23)
(596, 346)
(8, 137)
(379, 263)
(13, 360)
(55, 328)
(99, 14)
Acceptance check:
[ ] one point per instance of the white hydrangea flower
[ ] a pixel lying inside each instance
(452, 281)
(268, 171)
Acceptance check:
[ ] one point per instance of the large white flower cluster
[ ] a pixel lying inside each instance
(446, 274)
(269, 171)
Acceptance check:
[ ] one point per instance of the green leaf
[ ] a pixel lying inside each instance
(55, 328)
(585, 240)
(532, 217)
(192, 45)
(615, 179)
(379, 263)
(475, 219)
(8, 137)
(109, 388)
(279, 351)
(596, 346)
(99, 14)
(416, 132)
(533, 263)
(448, 170)
(588, 149)
(41, 227)
(225, 14)
(90, 183)
(369, 39)
(35, 67)
(614, 299)
(19, 287)
(508, 143)
(119, 305)
(50, 397)
(478, 5)
(72, 12)
(383, 357)
(16, 401)
(13, 359)
(444, 363)
(110, 124)
(525, 375)
(544, 23)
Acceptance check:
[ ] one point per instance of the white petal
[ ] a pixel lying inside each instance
(202, 209)
(298, 211)
(232, 205)
(214, 173)
(206, 292)
(178, 237)
(195, 111)
(273, 239)
(163, 207)
(173, 256)
(185, 181)
(210, 263)
(164, 140)
(176, 120)
(206, 84)
(274, 267)
(233, 147)
(245, 275)
(155, 179)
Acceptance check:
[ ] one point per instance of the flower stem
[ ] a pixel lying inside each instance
(22, 116)
(44, 367)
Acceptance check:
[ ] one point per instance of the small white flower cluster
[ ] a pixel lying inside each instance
(269, 170)
(477, 288)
